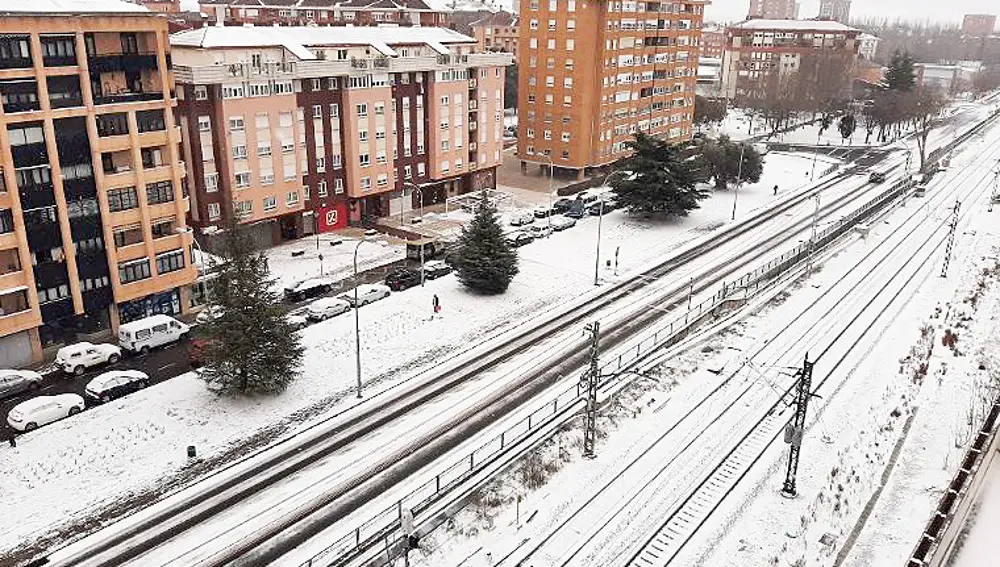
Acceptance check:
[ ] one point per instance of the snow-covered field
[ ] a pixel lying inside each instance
(102, 457)
(337, 263)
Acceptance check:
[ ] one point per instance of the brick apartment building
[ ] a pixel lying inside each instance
(773, 9)
(979, 25)
(496, 32)
(755, 49)
(92, 205)
(326, 12)
(305, 129)
(835, 10)
(591, 74)
(713, 42)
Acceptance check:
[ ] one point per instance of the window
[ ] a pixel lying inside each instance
(570, 25)
(366, 183)
(379, 108)
(263, 148)
(407, 171)
(134, 271)
(292, 198)
(552, 25)
(270, 203)
(338, 186)
(240, 151)
(362, 110)
(380, 134)
(235, 123)
(550, 81)
(552, 5)
(261, 120)
(569, 64)
(421, 169)
(382, 180)
(533, 44)
(287, 147)
(159, 192)
(565, 136)
(420, 149)
(567, 100)
(531, 133)
(547, 134)
(336, 161)
(445, 125)
(533, 24)
(458, 165)
(320, 164)
(364, 160)
(571, 6)
(317, 84)
(285, 119)
(267, 178)
(233, 91)
(321, 189)
(334, 82)
(317, 111)
(242, 179)
(445, 145)
(551, 44)
(445, 166)
(570, 44)
(169, 261)
(568, 82)
(334, 110)
(200, 92)
(211, 182)
(214, 211)
(380, 157)
(243, 209)
(363, 135)
(122, 199)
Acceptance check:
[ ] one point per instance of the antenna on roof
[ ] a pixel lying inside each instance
(220, 15)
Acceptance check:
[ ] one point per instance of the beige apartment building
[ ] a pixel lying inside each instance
(326, 12)
(92, 202)
(591, 74)
(496, 32)
(298, 130)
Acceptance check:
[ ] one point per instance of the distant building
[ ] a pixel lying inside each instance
(165, 6)
(774, 9)
(835, 10)
(979, 25)
(327, 12)
(946, 78)
(756, 49)
(497, 32)
(868, 46)
(713, 42)
(709, 77)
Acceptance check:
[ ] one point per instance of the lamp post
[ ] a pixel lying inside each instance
(186, 230)
(420, 193)
(548, 216)
(812, 175)
(357, 315)
(600, 219)
(739, 176)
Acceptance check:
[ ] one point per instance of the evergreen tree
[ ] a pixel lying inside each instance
(664, 180)
(720, 160)
(900, 76)
(708, 111)
(485, 261)
(251, 348)
(847, 126)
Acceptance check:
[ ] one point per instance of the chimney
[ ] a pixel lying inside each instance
(220, 15)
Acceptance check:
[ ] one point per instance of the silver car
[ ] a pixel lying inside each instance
(14, 382)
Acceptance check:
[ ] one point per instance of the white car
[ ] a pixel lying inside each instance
(540, 230)
(562, 223)
(327, 307)
(77, 358)
(297, 322)
(367, 293)
(208, 314)
(521, 218)
(30, 414)
(115, 384)
(14, 382)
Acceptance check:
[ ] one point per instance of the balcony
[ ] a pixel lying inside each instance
(109, 125)
(473, 146)
(55, 310)
(473, 126)
(19, 96)
(13, 301)
(127, 96)
(15, 52)
(110, 62)
(64, 91)
(473, 105)
(10, 262)
(473, 83)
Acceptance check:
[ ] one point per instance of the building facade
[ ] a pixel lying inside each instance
(835, 10)
(979, 25)
(496, 32)
(92, 201)
(758, 50)
(713, 42)
(591, 74)
(326, 12)
(773, 9)
(304, 130)
(868, 46)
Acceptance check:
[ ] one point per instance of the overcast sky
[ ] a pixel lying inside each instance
(937, 10)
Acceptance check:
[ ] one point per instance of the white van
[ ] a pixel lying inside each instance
(150, 332)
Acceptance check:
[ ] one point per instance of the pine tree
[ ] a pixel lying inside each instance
(720, 160)
(900, 76)
(485, 261)
(848, 123)
(664, 180)
(251, 348)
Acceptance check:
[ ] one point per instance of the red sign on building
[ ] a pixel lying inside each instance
(332, 218)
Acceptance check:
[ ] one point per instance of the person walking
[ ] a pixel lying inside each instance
(13, 442)
(437, 304)
(775, 190)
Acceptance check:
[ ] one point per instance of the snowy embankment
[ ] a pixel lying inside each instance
(96, 464)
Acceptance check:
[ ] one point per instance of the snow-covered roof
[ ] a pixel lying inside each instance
(295, 39)
(70, 7)
(804, 25)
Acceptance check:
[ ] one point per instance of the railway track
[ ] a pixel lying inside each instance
(705, 491)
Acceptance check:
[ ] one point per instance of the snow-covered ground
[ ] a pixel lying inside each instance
(337, 263)
(86, 465)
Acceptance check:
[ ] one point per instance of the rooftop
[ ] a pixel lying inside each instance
(70, 7)
(296, 38)
(332, 4)
(501, 18)
(803, 25)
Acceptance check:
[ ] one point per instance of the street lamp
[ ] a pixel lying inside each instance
(357, 315)
(204, 258)
(420, 194)
(739, 177)
(600, 219)
(549, 210)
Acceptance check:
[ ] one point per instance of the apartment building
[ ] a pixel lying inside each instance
(773, 9)
(92, 203)
(757, 49)
(303, 129)
(496, 32)
(326, 12)
(591, 74)
(713, 42)
(835, 10)
(979, 25)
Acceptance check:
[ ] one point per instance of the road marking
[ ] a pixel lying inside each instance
(165, 366)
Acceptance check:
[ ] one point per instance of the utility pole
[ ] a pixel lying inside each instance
(952, 228)
(794, 430)
(812, 237)
(590, 381)
(996, 188)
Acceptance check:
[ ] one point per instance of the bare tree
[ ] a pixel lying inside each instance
(924, 111)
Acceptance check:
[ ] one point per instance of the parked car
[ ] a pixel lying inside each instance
(297, 321)
(520, 238)
(590, 196)
(151, 332)
(521, 218)
(196, 351)
(30, 414)
(77, 358)
(876, 177)
(14, 382)
(402, 278)
(327, 307)
(561, 223)
(603, 206)
(562, 204)
(543, 211)
(435, 269)
(540, 230)
(367, 293)
(208, 314)
(115, 384)
(308, 289)
(577, 210)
